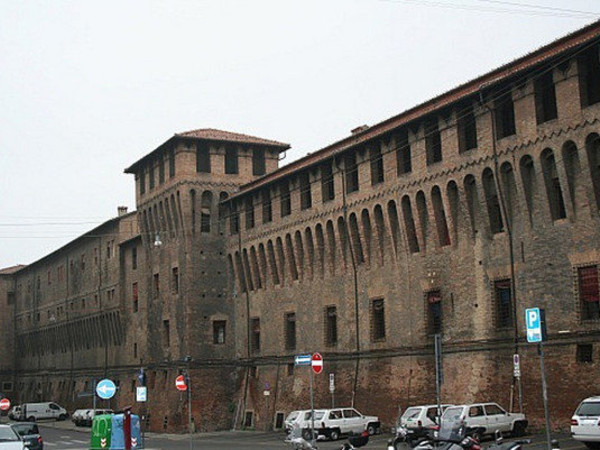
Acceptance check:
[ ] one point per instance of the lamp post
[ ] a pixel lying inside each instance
(188, 382)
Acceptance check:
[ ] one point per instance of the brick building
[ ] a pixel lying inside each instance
(451, 217)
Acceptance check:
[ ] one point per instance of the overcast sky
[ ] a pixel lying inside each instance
(87, 88)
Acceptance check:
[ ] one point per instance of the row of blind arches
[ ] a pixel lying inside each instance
(366, 236)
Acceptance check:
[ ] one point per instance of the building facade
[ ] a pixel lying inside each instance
(450, 218)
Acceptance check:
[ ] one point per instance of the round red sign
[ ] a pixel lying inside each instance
(5, 404)
(316, 361)
(180, 383)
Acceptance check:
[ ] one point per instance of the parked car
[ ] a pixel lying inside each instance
(46, 410)
(88, 418)
(78, 416)
(9, 439)
(485, 419)
(290, 420)
(30, 434)
(338, 421)
(584, 423)
(421, 416)
(15, 413)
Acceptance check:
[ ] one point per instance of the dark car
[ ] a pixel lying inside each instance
(30, 434)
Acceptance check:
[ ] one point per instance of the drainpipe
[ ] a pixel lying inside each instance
(509, 234)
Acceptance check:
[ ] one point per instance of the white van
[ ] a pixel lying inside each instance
(47, 410)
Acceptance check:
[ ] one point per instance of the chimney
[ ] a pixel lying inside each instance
(122, 210)
(359, 129)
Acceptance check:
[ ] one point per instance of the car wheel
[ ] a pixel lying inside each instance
(62, 417)
(592, 445)
(477, 434)
(306, 434)
(371, 429)
(31, 419)
(518, 429)
(334, 435)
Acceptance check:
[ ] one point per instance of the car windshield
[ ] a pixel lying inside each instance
(411, 413)
(588, 409)
(452, 428)
(8, 435)
(26, 428)
(291, 416)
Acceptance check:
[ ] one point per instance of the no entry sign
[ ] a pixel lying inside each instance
(180, 383)
(316, 361)
(4, 404)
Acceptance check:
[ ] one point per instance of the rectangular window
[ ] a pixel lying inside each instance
(171, 163)
(267, 207)
(503, 296)
(219, 327)
(231, 160)
(505, 116)
(49, 278)
(434, 309)
(166, 333)
(403, 155)
(82, 263)
(327, 186)
(255, 334)
(234, 219)
(585, 353)
(330, 326)
(433, 141)
(285, 199)
(142, 183)
(202, 158)
(588, 292)
(151, 176)
(377, 320)
(351, 170)
(467, 129)
(589, 77)
(135, 350)
(376, 160)
(545, 98)
(290, 331)
(258, 161)
(134, 289)
(134, 258)
(156, 285)
(175, 280)
(305, 194)
(290, 369)
(161, 170)
(249, 214)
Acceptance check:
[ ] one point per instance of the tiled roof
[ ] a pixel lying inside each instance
(520, 65)
(211, 134)
(11, 270)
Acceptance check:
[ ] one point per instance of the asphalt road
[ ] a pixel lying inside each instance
(59, 438)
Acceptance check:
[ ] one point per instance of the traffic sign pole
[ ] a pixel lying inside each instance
(545, 395)
(312, 412)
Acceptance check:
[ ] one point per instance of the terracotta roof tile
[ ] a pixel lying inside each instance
(211, 134)
(12, 269)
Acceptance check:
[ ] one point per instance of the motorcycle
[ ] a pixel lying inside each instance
(356, 441)
(451, 435)
(411, 436)
(296, 440)
(513, 445)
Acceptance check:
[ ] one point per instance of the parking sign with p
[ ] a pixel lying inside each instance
(534, 319)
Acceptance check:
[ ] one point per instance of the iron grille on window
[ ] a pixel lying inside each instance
(377, 320)
(588, 292)
(290, 331)
(503, 304)
(434, 307)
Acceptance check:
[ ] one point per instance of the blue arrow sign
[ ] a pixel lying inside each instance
(302, 360)
(106, 389)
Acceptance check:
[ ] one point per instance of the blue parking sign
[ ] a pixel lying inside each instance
(533, 319)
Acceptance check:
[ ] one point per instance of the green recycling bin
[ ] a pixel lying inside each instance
(101, 432)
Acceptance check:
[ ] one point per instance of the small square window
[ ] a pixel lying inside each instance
(585, 353)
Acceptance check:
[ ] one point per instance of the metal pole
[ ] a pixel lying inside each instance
(438, 374)
(312, 411)
(189, 389)
(545, 395)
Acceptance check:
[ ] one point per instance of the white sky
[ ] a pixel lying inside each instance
(87, 88)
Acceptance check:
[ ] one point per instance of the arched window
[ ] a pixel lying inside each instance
(343, 233)
(247, 270)
(310, 250)
(281, 258)
(381, 237)
(240, 272)
(356, 243)
(423, 216)
(492, 202)
(332, 254)
(394, 224)
(472, 201)
(206, 207)
(175, 215)
(592, 147)
(291, 258)
(409, 224)
(262, 260)
(453, 204)
(255, 268)
(440, 217)
(553, 188)
(509, 190)
(320, 248)
(529, 185)
(570, 157)
(299, 252)
(169, 219)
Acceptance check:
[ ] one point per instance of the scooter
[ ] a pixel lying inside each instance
(412, 437)
(356, 441)
(297, 441)
(513, 445)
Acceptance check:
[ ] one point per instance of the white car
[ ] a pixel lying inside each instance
(418, 417)
(485, 419)
(338, 421)
(584, 423)
(9, 439)
(78, 416)
(88, 418)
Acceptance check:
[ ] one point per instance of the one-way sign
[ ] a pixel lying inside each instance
(106, 389)
(302, 360)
